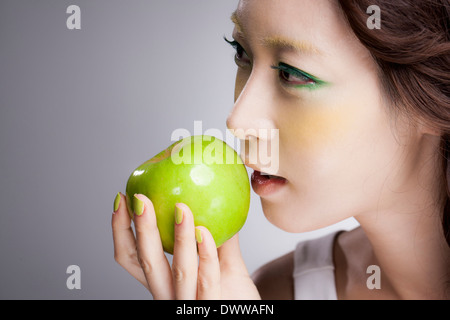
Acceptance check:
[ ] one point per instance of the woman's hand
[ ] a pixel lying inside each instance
(209, 273)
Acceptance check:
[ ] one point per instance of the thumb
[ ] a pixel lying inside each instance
(230, 257)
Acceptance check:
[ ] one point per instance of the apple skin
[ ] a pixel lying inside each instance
(217, 192)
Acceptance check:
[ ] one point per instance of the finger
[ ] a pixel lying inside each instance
(230, 257)
(150, 251)
(125, 252)
(208, 282)
(184, 265)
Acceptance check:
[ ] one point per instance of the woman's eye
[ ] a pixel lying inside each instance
(241, 56)
(295, 77)
(239, 52)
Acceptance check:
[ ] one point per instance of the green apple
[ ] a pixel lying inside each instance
(202, 172)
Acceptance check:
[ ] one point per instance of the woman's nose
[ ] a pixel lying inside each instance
(252, 121)
(253, 113)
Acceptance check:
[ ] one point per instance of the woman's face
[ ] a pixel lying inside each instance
(302, 71)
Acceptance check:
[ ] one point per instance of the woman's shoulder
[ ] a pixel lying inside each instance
(274, 279)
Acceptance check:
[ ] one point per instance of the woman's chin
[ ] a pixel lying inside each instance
(293, 218)
(284, 220)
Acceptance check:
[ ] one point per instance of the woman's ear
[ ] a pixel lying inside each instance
(429, 129)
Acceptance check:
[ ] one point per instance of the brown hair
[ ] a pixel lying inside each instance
(412, 51)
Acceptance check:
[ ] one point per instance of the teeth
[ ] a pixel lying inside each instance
(269, 176)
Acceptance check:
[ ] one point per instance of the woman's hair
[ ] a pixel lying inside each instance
(412, 51)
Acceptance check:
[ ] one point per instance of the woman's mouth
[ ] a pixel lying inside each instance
(264, 184)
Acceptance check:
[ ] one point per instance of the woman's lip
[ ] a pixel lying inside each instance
(265, 185)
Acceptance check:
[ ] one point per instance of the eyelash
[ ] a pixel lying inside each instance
(237, 46)
(285, 70)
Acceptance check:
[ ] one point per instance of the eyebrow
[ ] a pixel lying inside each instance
(234, 18)
(283, 43)
(277, 41)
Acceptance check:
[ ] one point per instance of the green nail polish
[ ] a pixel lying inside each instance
(117, 202)
(178, 215)
(138, 206)
(198, 235)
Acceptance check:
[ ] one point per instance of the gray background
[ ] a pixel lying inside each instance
(80, 109)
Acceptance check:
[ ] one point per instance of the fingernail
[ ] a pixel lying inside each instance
(198, 235)
(138, 206)
(116, 202)
(178, 215)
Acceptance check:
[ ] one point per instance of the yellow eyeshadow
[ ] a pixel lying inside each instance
(317, 126)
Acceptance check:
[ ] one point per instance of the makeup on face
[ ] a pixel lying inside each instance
(306, 115)
(289, 75)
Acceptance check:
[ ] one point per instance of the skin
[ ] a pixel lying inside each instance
(344, 154)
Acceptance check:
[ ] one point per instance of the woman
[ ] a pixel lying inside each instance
(364, 124)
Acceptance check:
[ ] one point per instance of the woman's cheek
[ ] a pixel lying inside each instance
(317, 128)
